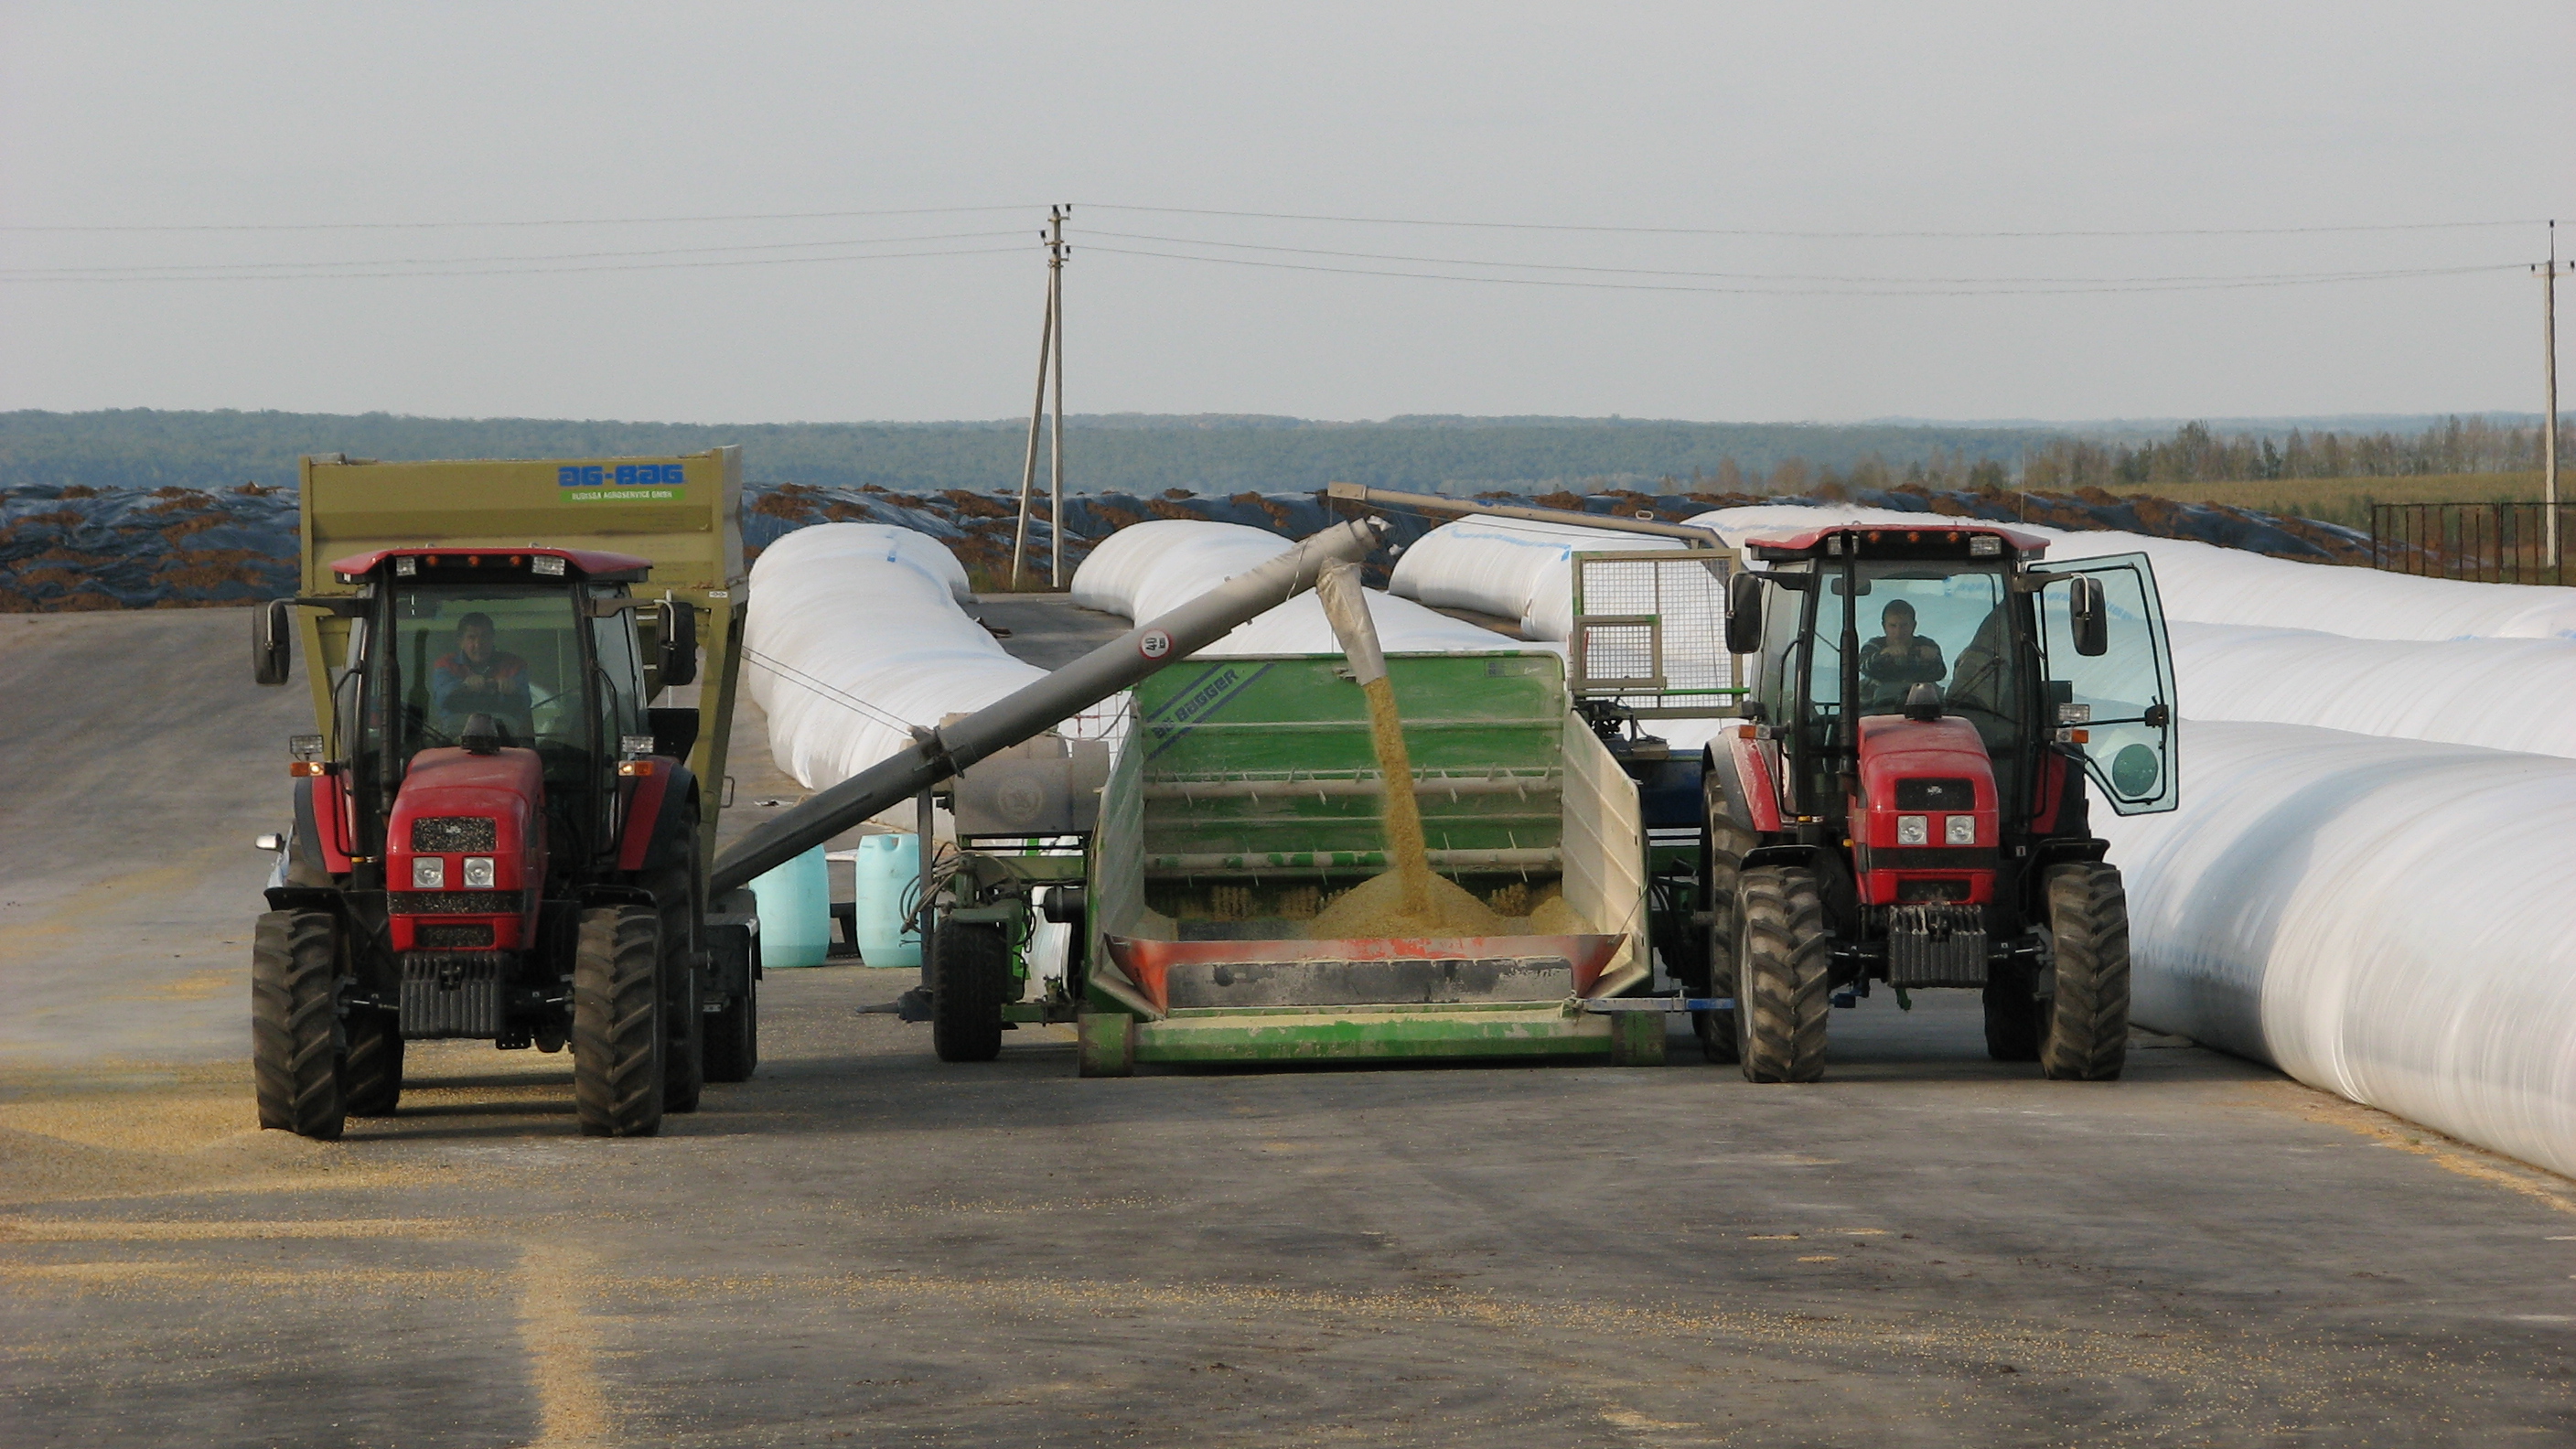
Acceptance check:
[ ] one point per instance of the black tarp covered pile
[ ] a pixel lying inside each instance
(64, 548)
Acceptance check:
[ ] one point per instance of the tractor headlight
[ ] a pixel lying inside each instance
(478, 872)
(1957, 830)
(429, 873)
(1914, 830)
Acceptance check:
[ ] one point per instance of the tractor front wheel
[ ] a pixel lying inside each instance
(295, 1041)
(970, 968)
(2087, 1033)
(617, 1026)
(1783, 987)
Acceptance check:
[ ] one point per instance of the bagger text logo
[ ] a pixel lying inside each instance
(622, 482)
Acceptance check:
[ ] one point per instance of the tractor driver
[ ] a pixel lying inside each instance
(1897, 660)
(479, 677)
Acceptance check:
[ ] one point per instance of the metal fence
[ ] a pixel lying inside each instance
(2492, 543)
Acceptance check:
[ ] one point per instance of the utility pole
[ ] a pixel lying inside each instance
(1050, 362)
(1055, 463)
(2549, 437)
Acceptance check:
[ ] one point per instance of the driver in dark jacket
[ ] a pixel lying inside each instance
(1897, 660)
(479, 677)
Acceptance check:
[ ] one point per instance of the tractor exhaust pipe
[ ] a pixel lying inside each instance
(940, 753)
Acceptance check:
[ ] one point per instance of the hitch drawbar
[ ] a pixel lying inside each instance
(1604, 1006)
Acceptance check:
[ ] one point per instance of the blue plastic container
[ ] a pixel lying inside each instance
(889, 869)
(795, 912)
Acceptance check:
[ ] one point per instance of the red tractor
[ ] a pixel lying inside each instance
(496, 839)
(1907, 802)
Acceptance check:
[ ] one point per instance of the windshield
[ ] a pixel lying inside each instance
(1918, 622)
(448, 652)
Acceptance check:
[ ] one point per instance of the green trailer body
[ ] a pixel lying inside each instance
(1246, 795)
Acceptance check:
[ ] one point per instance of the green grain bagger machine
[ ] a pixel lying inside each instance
(1247, 795)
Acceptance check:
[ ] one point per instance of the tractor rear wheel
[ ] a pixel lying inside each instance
(617, 1026)
(970, 970)
(371, 1077)
(2087, 1033)
(733, 1034)
(295, 1041)
(671, 875)
(1783, 986)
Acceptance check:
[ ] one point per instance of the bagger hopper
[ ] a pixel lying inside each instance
(1247, 796)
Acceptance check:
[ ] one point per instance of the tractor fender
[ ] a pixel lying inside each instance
(303, 898)
(1738, 781)
(319, 843)
(1834, 883)
(650, 801)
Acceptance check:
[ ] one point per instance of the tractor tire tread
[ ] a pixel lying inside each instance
(1784, 992)
(295, 1025)
(2086, 1038)
(970, 972)
(617, 1025)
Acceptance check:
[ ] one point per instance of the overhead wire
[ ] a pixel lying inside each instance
(1817, 235)
(1741, 276)
(508, 257)
(1584, 276)
(470, 271)
(471, 225)
(827, 691)
(2287, 280)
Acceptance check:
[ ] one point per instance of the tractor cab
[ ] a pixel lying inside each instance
(1875, 640)
(1927, 706)
(531, 655)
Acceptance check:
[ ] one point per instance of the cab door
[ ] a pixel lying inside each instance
(2121, 700)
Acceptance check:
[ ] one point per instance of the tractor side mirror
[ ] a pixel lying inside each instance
(1744, 614)
(678, 661)
(272, 641)
(2088, 616)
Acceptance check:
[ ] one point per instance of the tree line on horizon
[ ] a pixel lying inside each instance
(147, 449)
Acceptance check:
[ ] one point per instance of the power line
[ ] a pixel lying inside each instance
(529, 271)
(812, 685)
(556, 221)
(1739, 276)
(317, 266)
(2284, 281)
(1799, 234)
(2399, 226)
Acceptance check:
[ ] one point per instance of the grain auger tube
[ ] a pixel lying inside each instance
(942, 752)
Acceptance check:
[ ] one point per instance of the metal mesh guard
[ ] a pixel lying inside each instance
(1684, 650)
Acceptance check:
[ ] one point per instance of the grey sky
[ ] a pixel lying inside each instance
(1823, 117)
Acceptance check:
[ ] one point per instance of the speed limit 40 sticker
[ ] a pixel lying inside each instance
(1155, 644)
